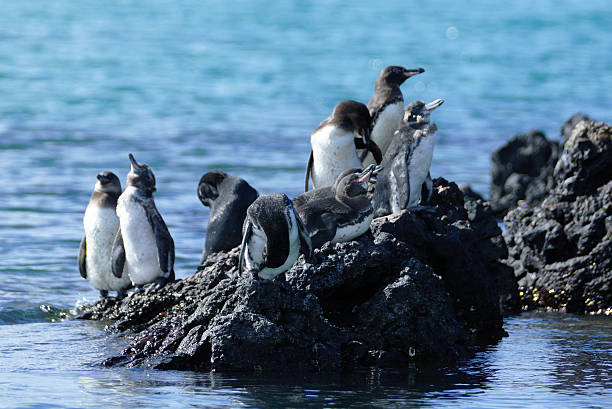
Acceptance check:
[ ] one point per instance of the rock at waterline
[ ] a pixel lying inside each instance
(420, 288)
(561, 249)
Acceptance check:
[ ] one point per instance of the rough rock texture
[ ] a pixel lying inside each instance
(570, 124)
(522, 170)
(561, 250)
(421, 287)
(469, 193)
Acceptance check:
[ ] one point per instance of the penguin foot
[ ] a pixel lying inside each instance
(121, 294)
(103, 293)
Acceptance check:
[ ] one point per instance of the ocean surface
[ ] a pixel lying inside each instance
(191, 86)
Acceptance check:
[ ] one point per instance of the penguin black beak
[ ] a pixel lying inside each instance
(207, 194)
(413, 72)
(366, 174)
(103, 179)
(133, 162)
(434, 104)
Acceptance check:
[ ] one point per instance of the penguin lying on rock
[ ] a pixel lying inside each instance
(406, 164)
(341, 214)
(273, 237)
(228, 198)
(322, 192)
(335, 142)
(101, 225)
(386, 107)
(143, 243)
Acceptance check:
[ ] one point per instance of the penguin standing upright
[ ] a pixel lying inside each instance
(386, 107)
(273, 236)
(143, 242)
(101, 225)
(406, 164)
(335, 141)
(342, 215)
(228, 198)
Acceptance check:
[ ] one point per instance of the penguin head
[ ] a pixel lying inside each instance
(355, 185)
(108, 182)
(208, 187)
(353, 116)
(140, 176)
(344, 174)
(418, 111)
(395, 74)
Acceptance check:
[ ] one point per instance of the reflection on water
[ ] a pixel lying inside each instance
(549, 360)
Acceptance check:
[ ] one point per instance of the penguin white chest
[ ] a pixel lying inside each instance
(350, 231)
(333, 151)
(385, 126)
(420, 162)
(141, 254)
(101, 225)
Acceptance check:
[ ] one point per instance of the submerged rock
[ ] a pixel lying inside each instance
(522, 170)
(561, 249)
(420, 288)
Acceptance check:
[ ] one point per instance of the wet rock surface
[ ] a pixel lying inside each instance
(561, 249)
(522, 170)
(421, 287)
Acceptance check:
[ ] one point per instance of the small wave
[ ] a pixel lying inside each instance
(42, 313)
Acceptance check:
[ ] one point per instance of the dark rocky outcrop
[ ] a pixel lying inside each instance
(561, 249)
(419, 288)
(570, 124)
(469, 193)
(522, 170)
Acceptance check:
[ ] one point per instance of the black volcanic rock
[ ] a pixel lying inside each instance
(570, 124)
(561, 249)
(469, 193)
(522, 170)
(419, 288)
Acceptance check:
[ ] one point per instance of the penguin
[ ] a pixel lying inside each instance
(343, 215)
(405, 175)
(335, 141)
(143, 242)
(273, 236)
(386, 107)
(228, 198)
(322, 192)
(101, 225)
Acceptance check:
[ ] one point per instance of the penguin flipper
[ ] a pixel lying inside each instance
(426, 190)
(83, 258)
(164, 241)
(373, 147)
(305, 241)
(308, 170)
(402, 183)
(246, 235)
(118, 255)
(369, 146)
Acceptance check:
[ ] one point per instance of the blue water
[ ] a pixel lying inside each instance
(190, 86)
